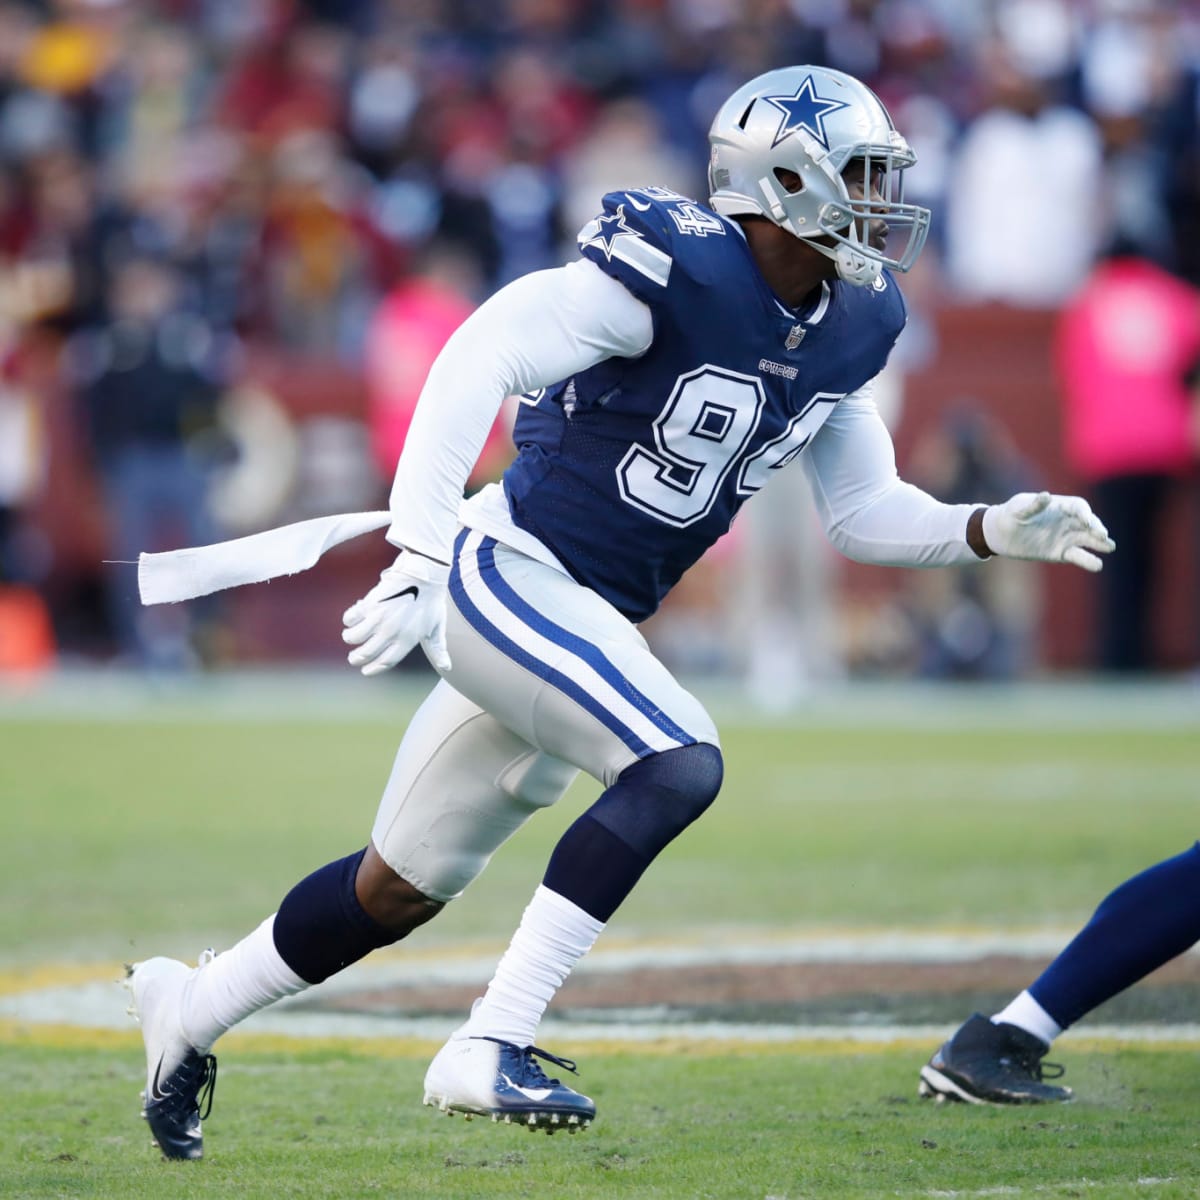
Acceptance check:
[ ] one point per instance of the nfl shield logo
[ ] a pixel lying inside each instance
(794, 337)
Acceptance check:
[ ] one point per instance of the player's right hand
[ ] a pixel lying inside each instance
(406, 607)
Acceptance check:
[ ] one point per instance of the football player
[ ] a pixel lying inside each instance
(687, 356)
(1141, 925)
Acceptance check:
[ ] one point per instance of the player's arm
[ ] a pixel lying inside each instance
(540, 329)
(872, 515)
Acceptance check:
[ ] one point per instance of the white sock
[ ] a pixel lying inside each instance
(1026, 1013)
(553, 936)
(236, 983)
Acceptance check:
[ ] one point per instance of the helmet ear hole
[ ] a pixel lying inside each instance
(790, 181)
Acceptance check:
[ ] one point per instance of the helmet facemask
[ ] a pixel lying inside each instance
(872, 179)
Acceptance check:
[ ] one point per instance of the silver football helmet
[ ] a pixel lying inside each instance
(817, 122)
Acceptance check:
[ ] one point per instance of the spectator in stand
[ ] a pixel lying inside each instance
(319, 267)
(1178, 143)
(150, 382)
(998, 247)
(290, 78)
(292, 157)
(26, 634)
(22, 464)
(406, 333)
(1126, 345)
(973, 628)
(624, 148)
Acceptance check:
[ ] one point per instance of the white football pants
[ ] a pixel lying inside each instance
(548, 679)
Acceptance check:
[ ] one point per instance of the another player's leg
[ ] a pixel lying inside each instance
(1147, 921)
(594, 694)
(990, 1062)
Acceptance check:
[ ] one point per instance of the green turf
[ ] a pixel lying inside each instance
(681, 1127)
(128, 837)
(158, 829)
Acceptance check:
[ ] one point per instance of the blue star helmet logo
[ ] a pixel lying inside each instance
(804, 110)
(608, 229)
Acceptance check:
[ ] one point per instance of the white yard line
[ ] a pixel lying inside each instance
(95, 999)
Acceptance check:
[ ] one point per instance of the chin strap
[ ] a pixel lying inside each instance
(853, 266)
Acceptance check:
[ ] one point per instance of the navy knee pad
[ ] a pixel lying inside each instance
(321, 927)
(657, 798)
(602, 855)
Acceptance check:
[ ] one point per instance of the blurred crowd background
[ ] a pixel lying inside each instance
(234, 233)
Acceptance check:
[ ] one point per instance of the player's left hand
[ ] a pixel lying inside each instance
(1037, 525)
(406, 606)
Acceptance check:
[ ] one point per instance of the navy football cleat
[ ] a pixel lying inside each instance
(482, 1076)
(985, 1063)
(180, 1079)
(174, 1106)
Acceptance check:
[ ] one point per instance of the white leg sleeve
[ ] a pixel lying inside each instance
(236, 983)
(553, 936)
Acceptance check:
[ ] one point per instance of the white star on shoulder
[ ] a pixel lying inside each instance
(608, 229)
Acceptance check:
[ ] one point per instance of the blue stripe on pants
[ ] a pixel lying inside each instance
(500, 590)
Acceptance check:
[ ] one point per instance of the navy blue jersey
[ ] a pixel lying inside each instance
(630, 470)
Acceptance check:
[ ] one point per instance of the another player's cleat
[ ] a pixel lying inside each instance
(487, 1077)
(179, 1078)
(985, 1063)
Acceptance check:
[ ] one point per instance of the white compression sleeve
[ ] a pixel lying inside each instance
(536, 331)
(238, 982)
(553, 936)
(870, 514)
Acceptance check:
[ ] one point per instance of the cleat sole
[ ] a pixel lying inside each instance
(551, 1122)
(942, 1087)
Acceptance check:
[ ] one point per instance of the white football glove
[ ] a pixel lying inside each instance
(406, 606)
(1037, 525)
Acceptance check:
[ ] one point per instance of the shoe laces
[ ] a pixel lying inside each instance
(1014, 1048)
(1034, 1065)
(207, 1085)
(532, 1074)
(196, 1084)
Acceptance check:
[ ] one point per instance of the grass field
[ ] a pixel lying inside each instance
(341, 1122)
(136, 823)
